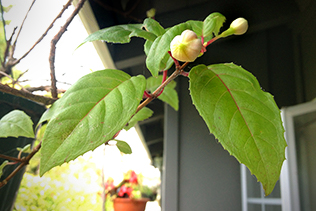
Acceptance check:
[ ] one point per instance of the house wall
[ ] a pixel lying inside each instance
(304, 28)
(209, 177)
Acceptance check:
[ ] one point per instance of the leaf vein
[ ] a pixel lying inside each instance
(238, 108)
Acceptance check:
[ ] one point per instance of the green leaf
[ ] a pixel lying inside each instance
(120, 34)
(8, 8)
(197, 27)
(25, 149)
(147, 46)
(58, 106)
(143, 114)
(89, 114)
(123, 146)
(154, 27)
(158, 58)
(169, 95)
(245, 119)
(15, 124)
(2, 167)
(213, 23)
(47, 115)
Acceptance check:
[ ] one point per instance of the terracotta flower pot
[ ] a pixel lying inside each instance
(127, 204)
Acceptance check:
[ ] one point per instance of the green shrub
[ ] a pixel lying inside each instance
(72, 186)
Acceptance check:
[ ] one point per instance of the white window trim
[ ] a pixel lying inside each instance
(251, 200)
(290, 200)
(289, 174)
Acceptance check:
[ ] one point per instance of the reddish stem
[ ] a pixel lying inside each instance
(211, 41)
(175, 61)
(12, 163)
(164, 78)
(147, 94)
(184, 73)
(116, 134)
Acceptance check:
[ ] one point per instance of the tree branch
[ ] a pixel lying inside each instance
(43, 88)
(45, 33)
(53, 46)
(22, 24)
(27, 95)
(10, 158)
(24, 162)
(13, 81)
(6, 66)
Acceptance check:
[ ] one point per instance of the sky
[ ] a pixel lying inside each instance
(70, 64)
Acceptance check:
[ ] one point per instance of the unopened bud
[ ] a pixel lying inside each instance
(151, 13)
(240, 25)
(186, 47)
(237, 27)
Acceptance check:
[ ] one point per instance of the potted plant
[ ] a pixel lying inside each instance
(130, 194)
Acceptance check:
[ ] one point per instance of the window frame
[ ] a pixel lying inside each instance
(289, 186)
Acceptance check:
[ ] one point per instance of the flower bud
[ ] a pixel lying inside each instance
(240, 26)
(237, 27)
(186, 47)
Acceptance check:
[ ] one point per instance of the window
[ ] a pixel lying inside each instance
(296, 188)
(253, 195)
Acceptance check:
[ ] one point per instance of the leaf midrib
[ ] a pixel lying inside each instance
(74, 128)
(228, 90)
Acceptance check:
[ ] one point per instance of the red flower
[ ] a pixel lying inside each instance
(133, 178)
(125, 190)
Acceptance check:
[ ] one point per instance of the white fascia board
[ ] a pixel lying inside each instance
(90, 23)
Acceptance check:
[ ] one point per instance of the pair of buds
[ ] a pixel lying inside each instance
(187, 46)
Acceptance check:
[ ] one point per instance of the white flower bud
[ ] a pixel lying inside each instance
(240, 26)
(186, 47)
(237, 27)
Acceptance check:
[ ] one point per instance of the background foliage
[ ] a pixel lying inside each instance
(72, 186)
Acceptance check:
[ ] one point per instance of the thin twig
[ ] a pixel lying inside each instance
(6, 66)
(61, 82)
(10, 158)
(24, 162)
(155, 94)
(22, 74)
(132, 8)
(45, 33)
(53, 47)
(22, 24)
(43, 88)
(13, 81)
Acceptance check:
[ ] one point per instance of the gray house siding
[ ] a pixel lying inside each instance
(209, 177)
